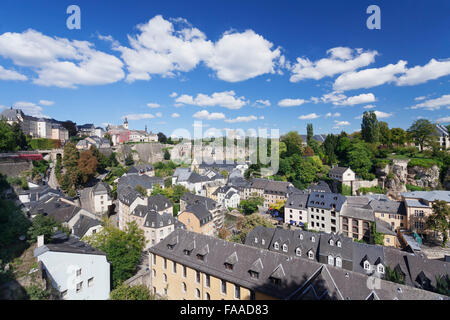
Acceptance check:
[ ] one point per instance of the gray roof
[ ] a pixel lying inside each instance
(295, 239)
(101, 188)
(338, 170)
(194, 177)
(428, 195)
(159, 202)
(156, 220)
(384, 227)
(320, 186)
(127, 194)
(83, 225)
(297, 201)
(11, 114)
(297, 276)
(254, 237)
(190, 199)
(182, 174)
(344, 251)
(140, 169)
(388, 206)
(70, 245)
(325, 200)
(200, 211)
(271, 186)
(59, 210)
(362, 252)
(358, 207)
(134, 180)
(416, 203)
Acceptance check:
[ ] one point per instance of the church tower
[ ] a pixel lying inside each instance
(125, 123)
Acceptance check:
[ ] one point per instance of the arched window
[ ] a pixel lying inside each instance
(331, 260)
(338, 262)
(207, 296)
(197, 293)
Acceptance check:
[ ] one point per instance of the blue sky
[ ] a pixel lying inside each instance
(231, 64)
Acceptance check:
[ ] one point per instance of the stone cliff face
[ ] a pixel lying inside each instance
(424, 177)
(397, 175)
(141, 152)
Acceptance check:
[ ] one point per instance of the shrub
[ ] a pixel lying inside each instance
(425, 163)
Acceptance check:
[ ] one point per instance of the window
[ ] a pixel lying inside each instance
(263, 241)
(380, 268)
(228, 266)
(197, 293)
(154, 273)
(207, 296)
(331, 242)
(207, 281)
(79, 272)
(338, 262)
(285, 248)
(338, 243)
(164, 277)
(174, 267)
(313, 239)
(276, 246)
(197, 276)
(184, 287)
(254, 274)
(200, 257)
(224, 287)
(79, 286)
(330, 260)
(366, 265)
(256, 240)
(165, 263)
(184, 271)
(237, 291)
(298, 252)
(90, 282)
(311, 255)
(165, 291)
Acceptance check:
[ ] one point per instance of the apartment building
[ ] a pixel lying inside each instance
(324, 211)
(188, 265)
(271, 191)
(197, 218)
(356, 218)
(296, 209)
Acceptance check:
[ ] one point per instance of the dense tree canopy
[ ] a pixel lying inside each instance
(422, 132)
(369, 127)
(126, 292)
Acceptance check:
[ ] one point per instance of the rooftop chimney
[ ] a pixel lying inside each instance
(40, 241)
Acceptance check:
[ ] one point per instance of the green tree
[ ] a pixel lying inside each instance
(35, 292)
(309, 133)
(248, 223)
(294, 143)
(126, 292)
(162, 137)
(369, 127)
(398, 136)
(71, 127)
(385, 133)
(123, 248)
(7, 142)
(439, 220)
(329, 146)
(166, 155)
(378, 238)
(70, 158)
(422, 132)
(44, 225)
(393, 276)
(129, 160)
(250, 205)
(19, 137)
(360, 160)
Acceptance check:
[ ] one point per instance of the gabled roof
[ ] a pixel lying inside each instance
(338, 170)
(159, 202)
(320, 186)
(101, 188)
(326, 200)
(68, 245)
(428, 195)
(191, 198)
(83, 225)
(61, 211)
(297, 201)
(388, 206)
(200, 211)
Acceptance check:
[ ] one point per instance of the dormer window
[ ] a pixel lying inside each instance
(338, 262)
(313, 239)
(187, 252)
(275, 281)
(263, 241)
(200, 257)
(331, 260)
(301, 236)
(298, 252)
(285, 248)
(276, 246)
(256, 240)
(381, 269)
(228, 266)
(311, 254)
(366, 265)
(254, 274)
(338, 243)
(331, 242)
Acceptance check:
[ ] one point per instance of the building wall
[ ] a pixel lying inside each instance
(192, 223)
(356, 228)
(101, 203)
(398, 221)
(61, 267)
(296, 215)
(328, 221)
(174, 284)
(418, 215)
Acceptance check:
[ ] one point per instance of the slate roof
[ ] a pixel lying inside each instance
(295, 239)
(134, 180)
(416, 203)
(182, 174)
(345, 251)
(101, 188)
(358, 207)
(194, 177)
(372, 253)
(260, 233)
(200, 211)
(428, 195)
(338, 170)
(320, 186)
(297, 201)
(296, 275)
(11, 114)
(127, 194)
(325, 200)
(59, 210)
(159, 202)
(384, 227)
(83, 225)
(156, 220)
(190, 198)
(388, 206)
(70, 245)
(271, 186)
(136, 169)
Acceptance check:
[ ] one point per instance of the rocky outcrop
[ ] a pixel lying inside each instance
(424, 177)
(396, 176)
(141, 152)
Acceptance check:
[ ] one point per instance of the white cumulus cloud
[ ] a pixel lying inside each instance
(225, 99)
(291, 102)
(308, 116)
(242, 119)
(205, 115)
(434, 104)
(6, 74)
